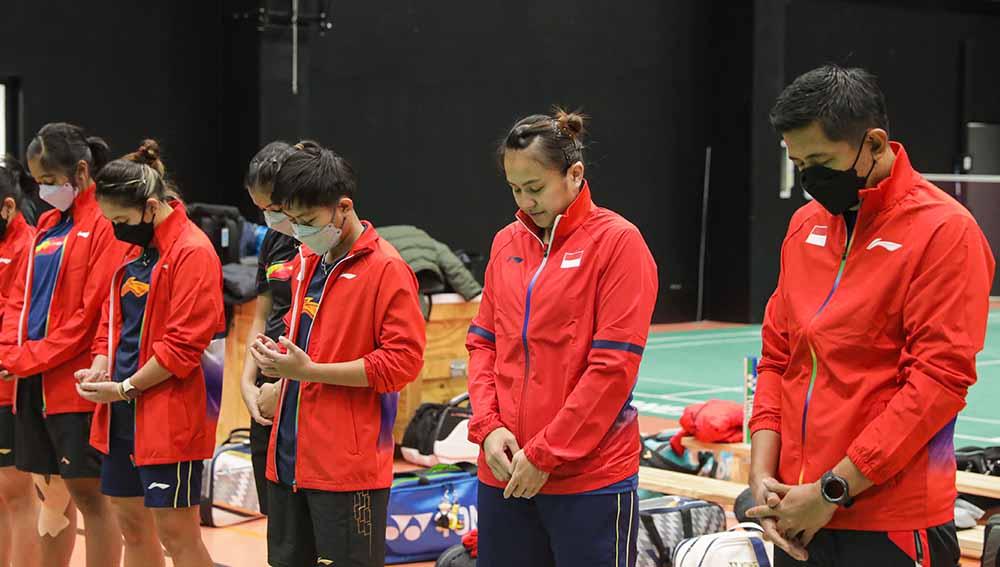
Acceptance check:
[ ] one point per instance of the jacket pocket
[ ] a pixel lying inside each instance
(351, 437)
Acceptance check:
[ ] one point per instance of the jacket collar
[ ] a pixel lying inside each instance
(169, 231)
(15, 228)
(890, 190)
(569, 221)
(367, 242)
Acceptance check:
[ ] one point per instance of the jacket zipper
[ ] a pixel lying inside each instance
(298, 395)
(919, 548)
(527, 315)
(848, 244)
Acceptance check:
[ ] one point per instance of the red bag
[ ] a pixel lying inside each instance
(716, 421)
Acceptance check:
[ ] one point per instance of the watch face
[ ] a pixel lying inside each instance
(834, 489)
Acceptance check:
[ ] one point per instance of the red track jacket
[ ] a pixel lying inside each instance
(555, 349)
(870, 347)
(90, 256)
(183, 313)
(14, 251)
(369, 309)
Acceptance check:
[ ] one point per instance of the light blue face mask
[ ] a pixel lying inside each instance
(319, 239)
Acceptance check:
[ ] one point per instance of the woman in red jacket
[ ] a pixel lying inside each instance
(48, 327)
(555, 352)
(18, 503)
(355, 339)
(153, 422)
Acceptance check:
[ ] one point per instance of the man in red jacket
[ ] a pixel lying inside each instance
(870, 341)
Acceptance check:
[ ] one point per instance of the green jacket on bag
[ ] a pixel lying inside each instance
(436, 266)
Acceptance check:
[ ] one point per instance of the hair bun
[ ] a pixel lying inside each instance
(572, 124)
(148, 154)
(149, 151)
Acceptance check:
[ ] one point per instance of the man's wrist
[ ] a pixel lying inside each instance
(835, 490)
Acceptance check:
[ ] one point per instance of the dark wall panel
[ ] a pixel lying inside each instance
(416, 95)
(125, 71)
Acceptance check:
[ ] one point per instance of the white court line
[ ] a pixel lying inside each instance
(685, 394)
(977, 438)
(669, 398)
(713, 342)
(689, 337)
(988, 363)
(683, 383)
(979, 419)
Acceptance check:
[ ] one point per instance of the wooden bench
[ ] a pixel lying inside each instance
(977, 484)
(445, 371)
(722, 492)
(725, 492)
(739, 456)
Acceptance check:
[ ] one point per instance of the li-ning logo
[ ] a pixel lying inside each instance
(159, 485)
(135, 287)
(817, 237)
(879, 243)
(515, 259)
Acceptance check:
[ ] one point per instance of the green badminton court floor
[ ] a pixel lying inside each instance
(682, 368)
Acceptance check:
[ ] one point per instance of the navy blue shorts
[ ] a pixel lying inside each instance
(174, 485)
(597, 530)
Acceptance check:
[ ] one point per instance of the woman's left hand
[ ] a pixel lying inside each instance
(282, 360)
(99, 392)
(527, 480)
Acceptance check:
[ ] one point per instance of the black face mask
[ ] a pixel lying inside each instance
(837, 190)
(139, 234)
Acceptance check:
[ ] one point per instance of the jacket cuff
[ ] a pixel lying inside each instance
(541, 458)
(481, 427)
(866, 461)
(765, 424)
(165, 357)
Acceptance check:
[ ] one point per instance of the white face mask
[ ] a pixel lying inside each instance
(278, 222)
(59, 196)
(319, 239)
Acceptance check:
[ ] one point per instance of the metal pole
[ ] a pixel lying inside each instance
(295, 46)
(962, 178)
(704, 234)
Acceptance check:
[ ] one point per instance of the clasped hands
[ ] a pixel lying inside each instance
(790, 515)
(508, 464)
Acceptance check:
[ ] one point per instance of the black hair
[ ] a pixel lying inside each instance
(62, 146)
(15, 182)
(310, 175)
(845, 103)
(265, 164)
(131, 180)
(560, 138)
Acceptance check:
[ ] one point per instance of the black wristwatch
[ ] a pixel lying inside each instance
(835, 490)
